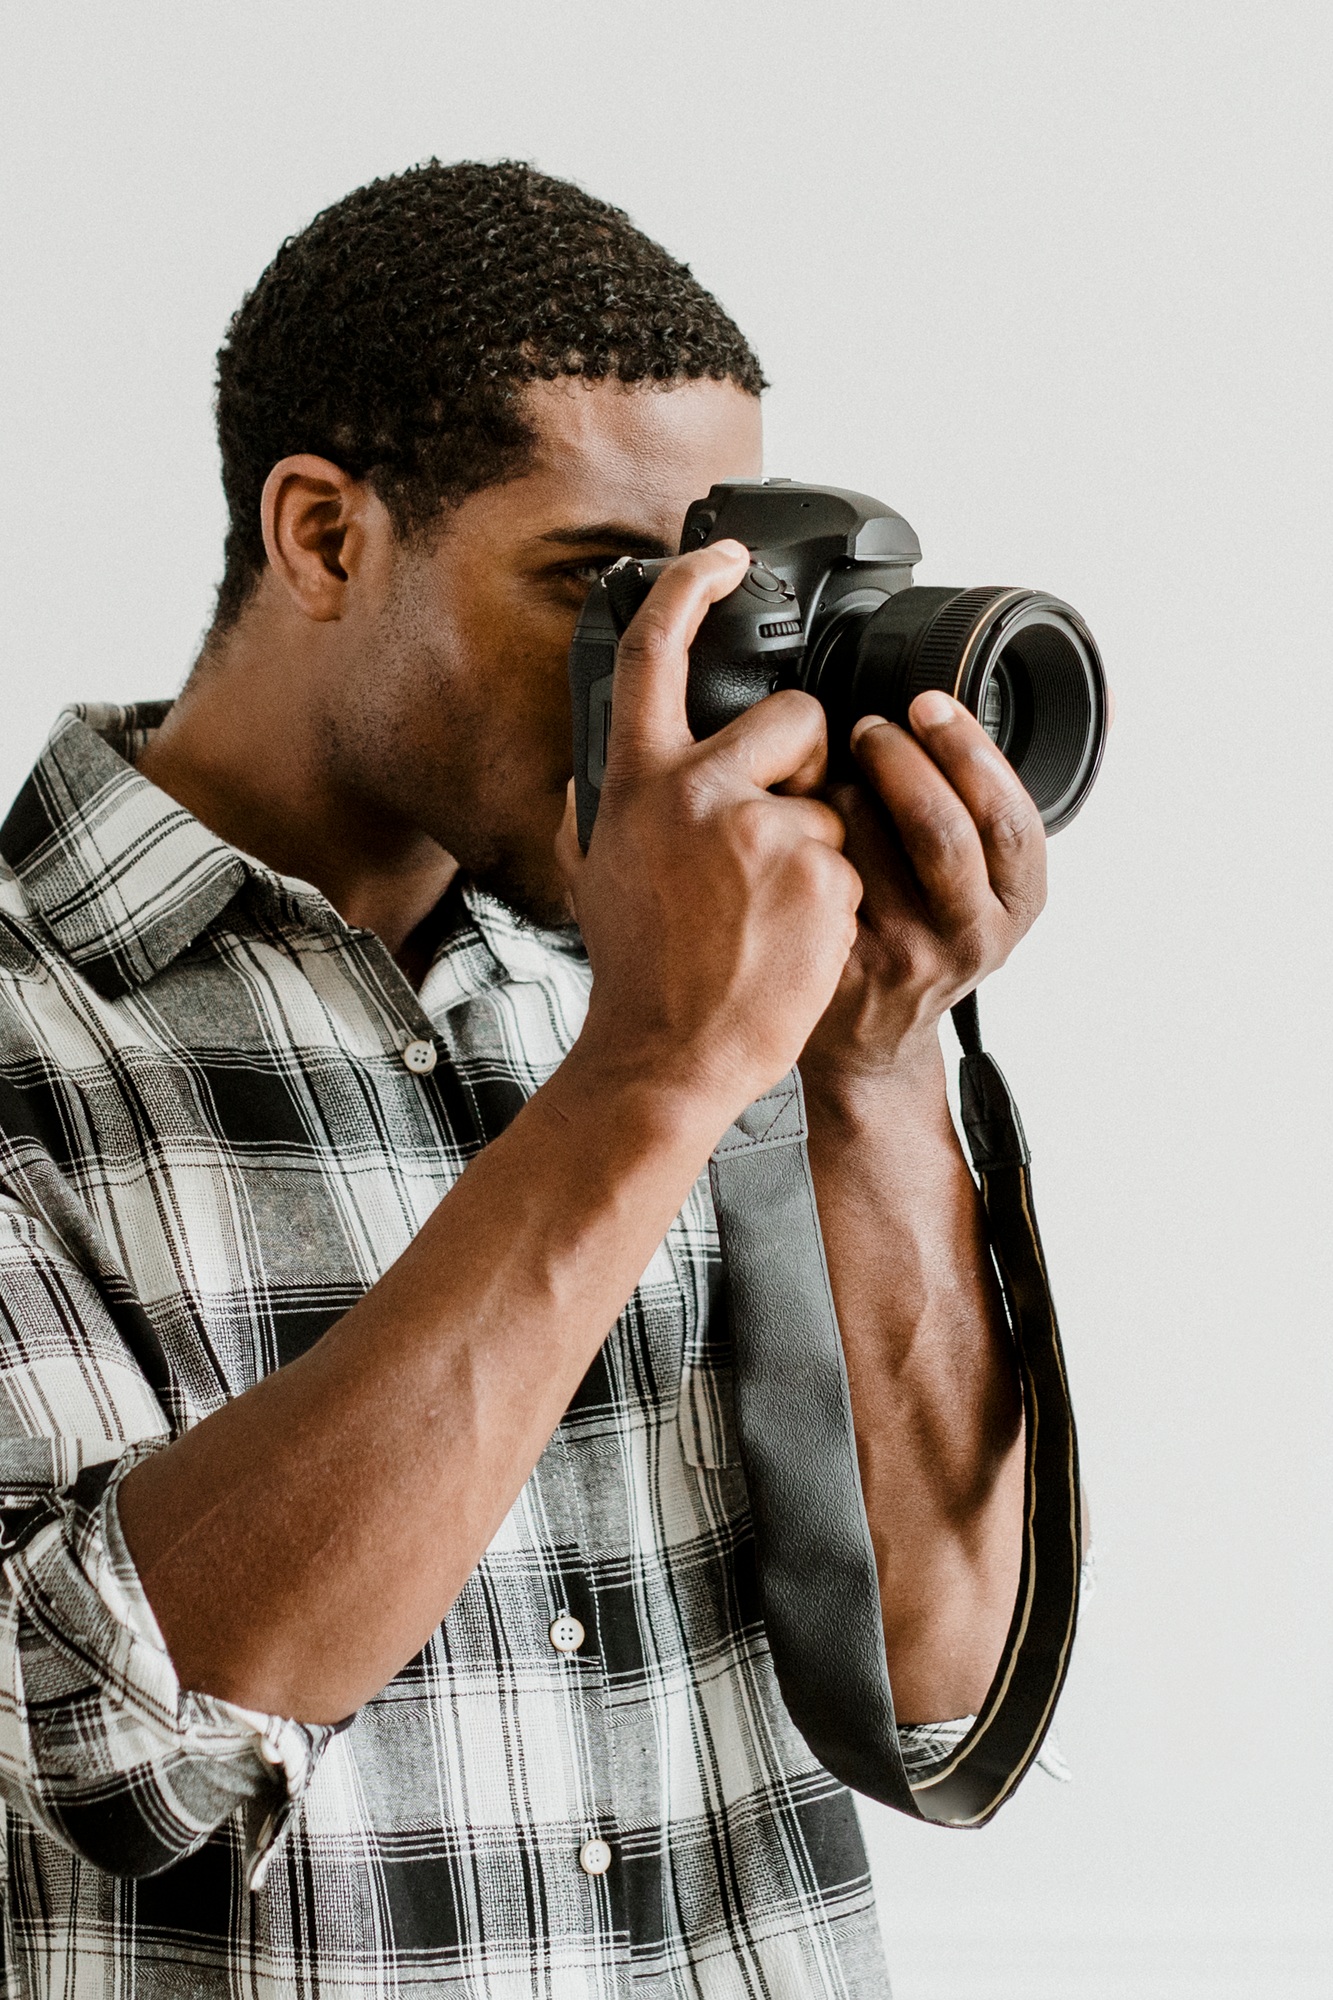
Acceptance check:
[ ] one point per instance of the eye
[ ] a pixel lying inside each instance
(587, 573)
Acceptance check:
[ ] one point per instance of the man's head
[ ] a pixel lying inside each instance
(448, 403)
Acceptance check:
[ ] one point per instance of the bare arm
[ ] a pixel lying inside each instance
(934, 1395)
(303, 1542)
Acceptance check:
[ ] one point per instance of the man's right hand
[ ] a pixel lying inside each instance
(717, 913)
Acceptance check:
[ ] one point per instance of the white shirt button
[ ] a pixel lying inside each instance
(421, 1057)
(594, 1857)
(567, 1635)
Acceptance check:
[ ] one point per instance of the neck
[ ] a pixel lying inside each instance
(243, 749)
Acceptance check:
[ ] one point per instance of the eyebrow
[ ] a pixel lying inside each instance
(607, 534)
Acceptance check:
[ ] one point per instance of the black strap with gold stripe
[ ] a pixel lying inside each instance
(816, 1563)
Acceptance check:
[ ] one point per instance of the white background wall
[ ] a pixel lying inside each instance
(1050, 277)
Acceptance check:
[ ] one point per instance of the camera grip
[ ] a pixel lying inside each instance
(592, 666)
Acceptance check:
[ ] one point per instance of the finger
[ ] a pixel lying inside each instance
(811, 775)
(652, 661)
(784, 822)
(782, 740)
(873, 846)
(939, 836)
(1012, 836)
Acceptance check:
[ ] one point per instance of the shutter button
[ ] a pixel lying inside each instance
(567, 1635)
(594, 1857)
(420, 1057)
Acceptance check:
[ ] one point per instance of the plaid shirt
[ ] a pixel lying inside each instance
(210, 1147)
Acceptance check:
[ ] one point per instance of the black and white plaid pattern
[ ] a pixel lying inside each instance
(210, 1146)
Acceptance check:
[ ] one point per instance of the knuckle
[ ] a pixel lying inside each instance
(825, 876)
(827, 826)
(751, 829)
(919, 960)
(944, 828)
(650, 634)
(1013, 825)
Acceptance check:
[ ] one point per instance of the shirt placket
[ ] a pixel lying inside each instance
(576, 1636)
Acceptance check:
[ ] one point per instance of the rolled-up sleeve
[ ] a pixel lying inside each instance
(99, 1743)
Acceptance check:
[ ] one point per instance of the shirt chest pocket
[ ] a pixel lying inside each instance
(706, 1412)
(707, 1425)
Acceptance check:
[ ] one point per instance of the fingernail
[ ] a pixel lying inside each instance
(864, 722)
(933, 709)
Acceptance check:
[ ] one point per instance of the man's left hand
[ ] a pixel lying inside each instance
(954, 868)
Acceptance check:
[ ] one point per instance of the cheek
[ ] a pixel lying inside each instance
(507, 714)
(516, 666)
(480, 683)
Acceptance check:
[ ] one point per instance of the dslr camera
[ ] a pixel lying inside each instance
(828, 605)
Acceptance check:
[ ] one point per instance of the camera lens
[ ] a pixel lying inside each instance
(1023, 663)
(997, 707)
(1054, 691)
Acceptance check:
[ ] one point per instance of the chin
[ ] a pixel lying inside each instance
(536, 890)
(511, 854)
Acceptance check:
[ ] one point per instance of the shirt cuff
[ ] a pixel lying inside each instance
(96, 1605)
(923, 1745)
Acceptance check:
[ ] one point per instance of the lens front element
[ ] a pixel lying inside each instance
(1056, 691)
(997, 707)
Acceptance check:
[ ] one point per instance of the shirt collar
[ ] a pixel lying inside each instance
(523, 948)
(122, 875)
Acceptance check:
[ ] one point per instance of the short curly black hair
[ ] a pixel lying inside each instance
(393, 335)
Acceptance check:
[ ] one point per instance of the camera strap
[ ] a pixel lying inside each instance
(817, 1572)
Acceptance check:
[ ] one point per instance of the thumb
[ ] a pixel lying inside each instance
(648, 722)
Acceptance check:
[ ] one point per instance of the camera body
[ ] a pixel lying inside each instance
(828, 605)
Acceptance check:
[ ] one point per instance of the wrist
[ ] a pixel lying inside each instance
(852, 1092)
(666, 1106)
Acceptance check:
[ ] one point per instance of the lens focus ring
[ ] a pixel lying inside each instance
(942, 647)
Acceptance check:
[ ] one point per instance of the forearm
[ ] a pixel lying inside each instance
(302, 1543)
(934, 1393)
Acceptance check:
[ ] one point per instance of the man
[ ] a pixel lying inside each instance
(372, 1618)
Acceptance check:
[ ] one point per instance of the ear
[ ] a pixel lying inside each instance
(320, 525)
